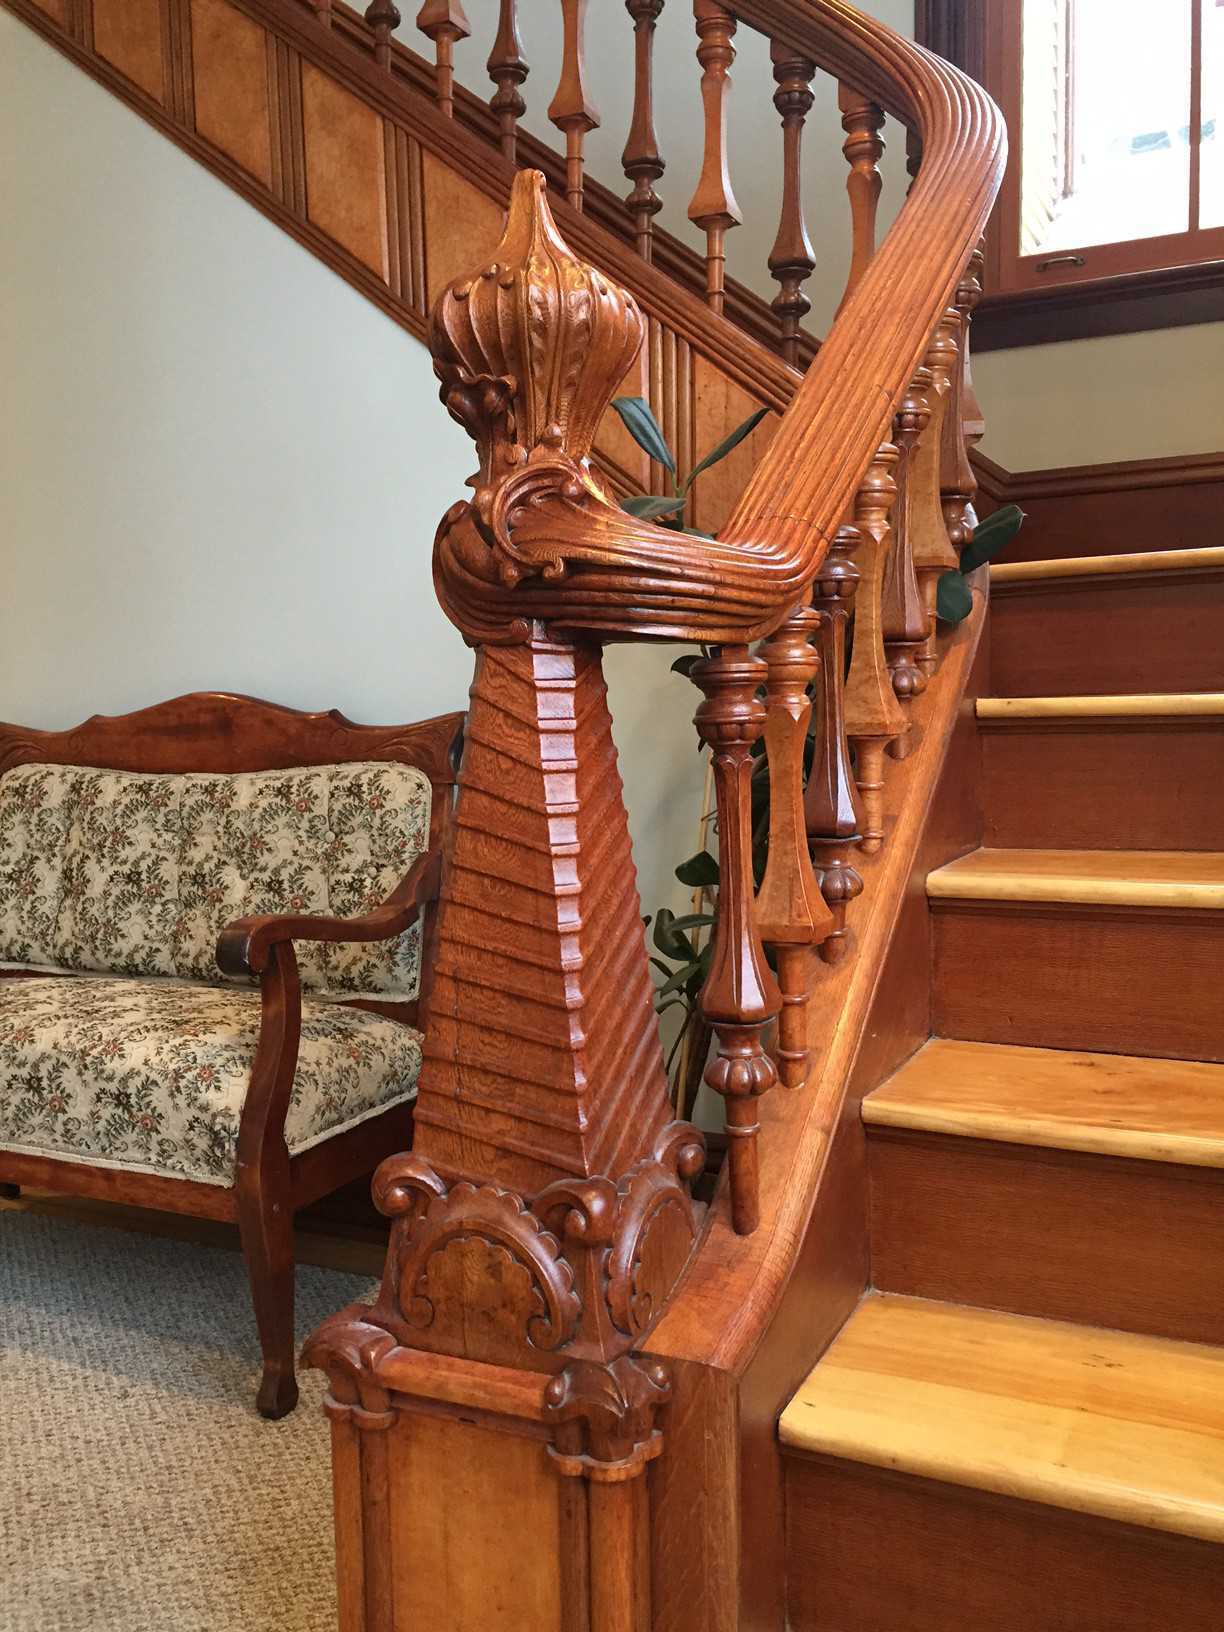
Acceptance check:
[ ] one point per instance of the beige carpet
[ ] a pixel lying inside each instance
(139, 1492)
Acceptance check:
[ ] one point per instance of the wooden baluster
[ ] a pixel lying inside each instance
(570, 110)
(904, 612)
(874, 717)
(862, 121)
(932, 550)
(445, 23)
(792, 916)
(740, 996)
(963, 425)
(792, 260)
(383, 18)
(508, 69)
(640, 160)
(323, 11)
(831, 803)
(713, 207)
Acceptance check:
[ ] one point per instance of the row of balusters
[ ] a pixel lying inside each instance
(912, 514)
(712, 207)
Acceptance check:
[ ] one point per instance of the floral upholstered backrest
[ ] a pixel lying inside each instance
(138, 874)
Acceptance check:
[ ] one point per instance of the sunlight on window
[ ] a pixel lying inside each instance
(1106, 122)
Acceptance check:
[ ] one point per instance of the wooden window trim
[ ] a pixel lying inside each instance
(1127, 301)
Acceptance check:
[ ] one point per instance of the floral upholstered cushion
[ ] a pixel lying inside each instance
(135, 874)
(151, 1075)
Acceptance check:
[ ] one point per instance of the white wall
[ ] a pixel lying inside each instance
(220, 466)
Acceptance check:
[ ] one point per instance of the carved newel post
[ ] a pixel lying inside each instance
(544, 1213)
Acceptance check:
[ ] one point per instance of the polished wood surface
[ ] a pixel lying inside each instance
(1120, 980)
(1106, 1423)
(1104, 1241)
(1149, 705)
(1107, 1104)
(959, 1558)
(1118, 878)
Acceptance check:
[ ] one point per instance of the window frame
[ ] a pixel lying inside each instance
(1126, 287)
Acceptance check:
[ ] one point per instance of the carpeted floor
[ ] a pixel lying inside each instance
(139, 1491)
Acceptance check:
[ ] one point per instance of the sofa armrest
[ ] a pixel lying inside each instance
(245, 945)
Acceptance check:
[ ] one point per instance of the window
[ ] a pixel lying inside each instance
(1115, 184)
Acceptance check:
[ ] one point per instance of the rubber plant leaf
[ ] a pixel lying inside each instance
(646, 507)
(953, 597)
(684, 665)
(671, 942)
(645, 429)
(991, 535)
(726, 445)
(698, 871)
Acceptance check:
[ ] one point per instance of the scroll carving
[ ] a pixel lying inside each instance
(604, 1416)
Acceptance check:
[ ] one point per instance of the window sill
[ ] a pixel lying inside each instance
(1168, 298)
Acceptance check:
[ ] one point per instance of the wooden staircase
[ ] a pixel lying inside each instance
(1022, 1425)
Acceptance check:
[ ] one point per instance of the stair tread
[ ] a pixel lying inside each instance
(1139, 878)
(1136, 705)
(1124, 1427)
(1207, 557)
(1109, 1104)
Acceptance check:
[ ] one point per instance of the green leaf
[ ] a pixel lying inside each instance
(686, 664)
(693, 920)
(645, 429)
(677, 981)
(699, 871)
(953, 597)
(647, 508)
(991, 535)
(672, 943)
(725, 446)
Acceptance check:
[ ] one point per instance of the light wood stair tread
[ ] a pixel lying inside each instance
(1123, 1427)
(1110, 1104)
(1136, 878)
(1138, 705)
(1207, 558)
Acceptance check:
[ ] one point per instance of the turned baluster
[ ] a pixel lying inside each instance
(740, 996)
(792, 915)
(862, 121)
(571, 110)
(640, 160)
(445, 23)
(831, 804)
(713, 206)
(323, 11)
(874, 717)
(904, 613)
(963, 425)
(933, 553)
(383, 19)
(508, 69)
(792, 260)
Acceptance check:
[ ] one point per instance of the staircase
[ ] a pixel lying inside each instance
(955, 1361)
(1022, 1424)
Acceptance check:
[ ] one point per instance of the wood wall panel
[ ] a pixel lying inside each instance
(57, 9)
(1129, 981)
(466, 1562)
(461, 224)
(719, 405)
(346, 183)
(132, 36)
(233, 106)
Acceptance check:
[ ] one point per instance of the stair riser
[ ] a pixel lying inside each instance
(1064, 637)
(870, 1550)
(1103, 1241)
(1121, 981)
(1104, 785)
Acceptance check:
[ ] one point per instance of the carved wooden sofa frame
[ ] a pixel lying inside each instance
(225, 733)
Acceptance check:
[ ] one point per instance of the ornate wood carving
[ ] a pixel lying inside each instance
(603, 1417)
(832, 809)
(641, 160)
(740, 996)
(571, 109)
(932, 551)
(792, 916)
(445, 22)
(874, 718)
(508, 70)
(963, 426)
(713, 207)
(792, 259)
(862, 121)
(904, 611)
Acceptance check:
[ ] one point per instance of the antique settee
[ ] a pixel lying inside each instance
(215, 923)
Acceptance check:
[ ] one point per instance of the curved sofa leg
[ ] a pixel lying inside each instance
(265, 1222)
